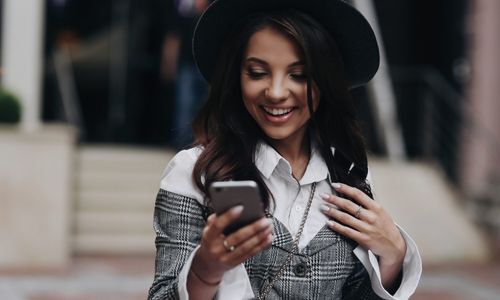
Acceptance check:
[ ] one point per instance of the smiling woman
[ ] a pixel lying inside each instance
(280, 113)
(274, 91)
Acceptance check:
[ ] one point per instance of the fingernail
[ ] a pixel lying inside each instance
(237, 209)
(336, 185)
(325, 196)
(270, 238)
(324, 208)
(330, 223)
(266, 222)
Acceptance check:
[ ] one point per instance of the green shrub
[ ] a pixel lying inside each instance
(10, 108)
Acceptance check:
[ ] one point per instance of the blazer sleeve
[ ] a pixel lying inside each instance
(365, 282)
(358, 285)
(178, 223)
(179, 218)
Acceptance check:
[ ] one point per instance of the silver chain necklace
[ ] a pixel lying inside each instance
(267, 287)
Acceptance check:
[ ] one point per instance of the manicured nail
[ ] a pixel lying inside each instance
(324, 208)
(237, 209)
(325, 196)
(336, 185)
(266, 222)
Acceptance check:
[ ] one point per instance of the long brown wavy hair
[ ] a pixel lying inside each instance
(229, 135)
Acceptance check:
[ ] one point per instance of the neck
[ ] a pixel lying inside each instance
(296, 152)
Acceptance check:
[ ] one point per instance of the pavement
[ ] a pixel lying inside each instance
(128, 278)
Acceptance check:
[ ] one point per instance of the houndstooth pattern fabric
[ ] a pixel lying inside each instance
(326, 269)
(178, 223)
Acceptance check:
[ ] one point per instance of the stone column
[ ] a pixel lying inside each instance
(22, 39)
(35, 160)
(481, 149)
(382, 92)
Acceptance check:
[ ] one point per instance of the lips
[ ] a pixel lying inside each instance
(277, 112)
(276, 115)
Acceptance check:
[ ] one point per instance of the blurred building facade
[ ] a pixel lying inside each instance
(101, 74)
(480, 168)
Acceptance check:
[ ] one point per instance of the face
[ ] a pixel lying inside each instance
(274, 86)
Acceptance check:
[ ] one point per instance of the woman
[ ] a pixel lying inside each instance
(280, 113)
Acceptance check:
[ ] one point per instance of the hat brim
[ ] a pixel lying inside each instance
(351, 31)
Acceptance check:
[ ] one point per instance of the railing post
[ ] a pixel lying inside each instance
(381, 89)
(427, 124)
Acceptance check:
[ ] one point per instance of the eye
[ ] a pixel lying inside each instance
(254, 74)
(298, 76)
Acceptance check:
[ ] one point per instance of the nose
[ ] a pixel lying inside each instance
(277, 91)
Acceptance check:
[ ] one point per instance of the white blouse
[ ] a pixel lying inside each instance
(293, 196)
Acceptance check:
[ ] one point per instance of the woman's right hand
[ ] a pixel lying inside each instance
(213, 258)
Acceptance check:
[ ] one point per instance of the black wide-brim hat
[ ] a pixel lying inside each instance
(352, 32)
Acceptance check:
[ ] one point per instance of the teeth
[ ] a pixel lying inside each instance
(277, 111)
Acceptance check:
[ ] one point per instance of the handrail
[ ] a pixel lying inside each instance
(438, 85)
(441, 138)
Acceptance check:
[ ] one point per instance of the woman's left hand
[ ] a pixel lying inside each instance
(366, 222)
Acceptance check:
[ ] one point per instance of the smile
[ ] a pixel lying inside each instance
(277, 112)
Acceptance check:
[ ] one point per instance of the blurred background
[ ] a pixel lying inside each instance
(96, 97)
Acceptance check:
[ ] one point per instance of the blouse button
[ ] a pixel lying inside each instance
(300, 269)
(298, 208)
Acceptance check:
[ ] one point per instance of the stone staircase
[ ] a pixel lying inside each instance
(116, 189)
(431, 210)
(115, 192)
(485, 207)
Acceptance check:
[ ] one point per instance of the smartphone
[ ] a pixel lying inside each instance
(227, 194)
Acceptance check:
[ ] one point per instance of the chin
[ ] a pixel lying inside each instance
(276, 134)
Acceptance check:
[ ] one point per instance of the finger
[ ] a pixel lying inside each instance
(352, 208)
(251, 246)
(345, 218)
(346, 231)
(355, 194)
(343, 204)
(222, 221)
(210, 221)
(248, 231)
(264, 244)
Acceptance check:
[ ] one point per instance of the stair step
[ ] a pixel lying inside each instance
(115, 201)
(114, 244)
(133, 222)
(123, 159)
(116, 181)
(115, 194)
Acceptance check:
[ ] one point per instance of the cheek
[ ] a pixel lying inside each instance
(248, 101)
(303, 97)
(250, 92)
(248, 105)
(302, 93)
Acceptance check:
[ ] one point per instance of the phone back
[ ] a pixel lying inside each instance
(227, 194)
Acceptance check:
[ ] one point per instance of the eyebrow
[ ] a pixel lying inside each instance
(263, 62)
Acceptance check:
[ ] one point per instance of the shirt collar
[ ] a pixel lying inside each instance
(267, 160)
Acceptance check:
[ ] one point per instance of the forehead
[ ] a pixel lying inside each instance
(272, 46)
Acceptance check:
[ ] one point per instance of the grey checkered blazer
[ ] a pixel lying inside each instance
(326, 269)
